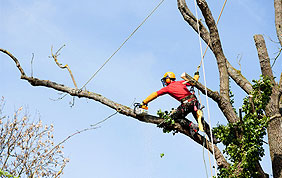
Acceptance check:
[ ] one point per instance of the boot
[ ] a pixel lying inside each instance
(193, 128)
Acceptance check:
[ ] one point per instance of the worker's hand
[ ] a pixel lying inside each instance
(197, 73)
(144, 106)
(196, 76)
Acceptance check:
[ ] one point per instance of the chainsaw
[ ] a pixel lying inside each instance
(139, 110)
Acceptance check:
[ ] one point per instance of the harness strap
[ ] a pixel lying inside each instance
(188, 99)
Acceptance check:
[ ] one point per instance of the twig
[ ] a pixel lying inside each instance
(55, 56)
(31, 63)
(59, 97)
(279, 52)
(103, 120)
(271, 39)
(239, 58)
(72, 102)
(92, 127)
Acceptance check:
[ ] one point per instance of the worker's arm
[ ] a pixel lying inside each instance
(151, 97)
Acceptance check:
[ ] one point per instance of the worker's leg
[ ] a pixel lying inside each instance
(179, 116)
(203, 125)
(198, 115)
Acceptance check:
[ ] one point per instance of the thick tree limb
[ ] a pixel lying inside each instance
(221, 161)
(263, 57)
(278, 19)
(223, 98)
(192, 21)
(216, 48)
(205, 35)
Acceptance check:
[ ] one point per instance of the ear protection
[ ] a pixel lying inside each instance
(167, 80)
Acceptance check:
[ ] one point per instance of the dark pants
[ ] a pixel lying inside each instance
(189, 107)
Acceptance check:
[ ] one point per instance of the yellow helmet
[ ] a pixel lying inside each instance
(170, 75)
(167, 78)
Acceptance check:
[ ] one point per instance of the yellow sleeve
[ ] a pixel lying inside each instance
(151, 97)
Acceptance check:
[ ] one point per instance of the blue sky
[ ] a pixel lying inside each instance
(92, 31)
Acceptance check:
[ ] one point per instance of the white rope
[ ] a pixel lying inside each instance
(199, 37)
(151, 13)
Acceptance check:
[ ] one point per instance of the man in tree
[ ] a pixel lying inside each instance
(189, 102)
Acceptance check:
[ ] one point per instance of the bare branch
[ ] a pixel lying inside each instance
(263, 57)
(122, 110)
(31, 65)
(239, 58)
(278, 19)
(216, 48)
(192, 21)
(55, 57)
(24, 146)
(15, 60)
(279, 52)
(190, 18)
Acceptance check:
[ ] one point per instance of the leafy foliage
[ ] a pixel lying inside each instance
(243, 140)
(6, 175)
(168, 121)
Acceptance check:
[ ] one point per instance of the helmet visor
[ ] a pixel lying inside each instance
(164, 82)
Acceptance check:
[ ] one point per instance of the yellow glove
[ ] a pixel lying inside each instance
(196, 76)
(144, 106)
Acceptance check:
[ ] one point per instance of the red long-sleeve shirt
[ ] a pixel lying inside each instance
(176, 89)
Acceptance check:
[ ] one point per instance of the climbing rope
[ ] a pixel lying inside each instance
(202, 63)
(205, 160)
(201, 50)
(123, 44)
(204, 142)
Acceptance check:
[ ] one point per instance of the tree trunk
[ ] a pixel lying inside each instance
(272, 110)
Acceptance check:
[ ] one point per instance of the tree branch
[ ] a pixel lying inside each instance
(263, 57)
(216, 48)
(55, 57)
(192, 21)
(15, 60)
(221, 161)
(238, 78)
(205, 35)
(278, 19)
